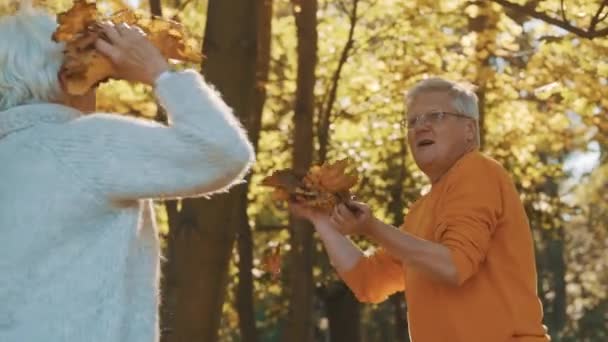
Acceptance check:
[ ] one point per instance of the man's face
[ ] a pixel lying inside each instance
(439, 136)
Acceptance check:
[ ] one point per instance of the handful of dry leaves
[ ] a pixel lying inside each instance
(84, 67)
(322, 187)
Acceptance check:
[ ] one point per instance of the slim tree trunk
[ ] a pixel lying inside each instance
(396, 208)
(201, 241)
(343, 308)
(156, 8)
(300, 319)
(344, 312)
(554, 256)
(244, 295)
(486, 25)
(399, 310)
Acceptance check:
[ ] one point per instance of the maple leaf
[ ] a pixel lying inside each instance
(84, 68)
(322, 187)
(75, 21)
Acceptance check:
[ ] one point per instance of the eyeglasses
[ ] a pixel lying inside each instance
(433, 118)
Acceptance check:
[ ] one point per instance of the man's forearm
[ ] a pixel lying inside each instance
(343, 253)
(428, 256)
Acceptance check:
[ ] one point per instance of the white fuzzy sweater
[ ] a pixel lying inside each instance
(79, 254)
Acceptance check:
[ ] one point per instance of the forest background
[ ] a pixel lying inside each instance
(319, 80)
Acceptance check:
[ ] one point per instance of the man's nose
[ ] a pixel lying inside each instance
(422, 126)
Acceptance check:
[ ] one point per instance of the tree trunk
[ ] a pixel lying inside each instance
(156, 8)
(343, 312)
(244, 295)
(486, 25)
(555, 257)
(396, 207)
(300, 319)
(343, 308)
(555, 264)
(199, 246)
(399, 310)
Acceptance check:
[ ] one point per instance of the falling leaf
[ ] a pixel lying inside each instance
(271, 261)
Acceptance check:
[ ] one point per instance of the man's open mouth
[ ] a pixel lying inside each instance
(425, 142)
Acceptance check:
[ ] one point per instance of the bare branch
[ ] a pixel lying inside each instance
(325, 115)
(588, 34)
(563, 11)
(181, 8)
(596, 17)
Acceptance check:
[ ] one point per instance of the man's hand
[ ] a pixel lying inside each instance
(135, 58)
(356, 220)
(313, 215)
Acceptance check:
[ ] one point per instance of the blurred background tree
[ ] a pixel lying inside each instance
(321, 80)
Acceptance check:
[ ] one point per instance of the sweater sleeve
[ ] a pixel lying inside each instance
(202, 150)
(375, 277)
(468, 215)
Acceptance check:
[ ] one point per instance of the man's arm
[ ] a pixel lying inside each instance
(465, 221)
(371, 278)
(414, 252)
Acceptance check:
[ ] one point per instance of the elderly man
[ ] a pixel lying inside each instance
(464, 255)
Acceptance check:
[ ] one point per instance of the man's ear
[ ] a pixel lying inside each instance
(470, 130)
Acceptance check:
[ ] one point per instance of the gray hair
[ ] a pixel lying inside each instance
(463, 96)
(29, 59)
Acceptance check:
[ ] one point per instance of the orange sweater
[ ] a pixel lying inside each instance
(475, 211)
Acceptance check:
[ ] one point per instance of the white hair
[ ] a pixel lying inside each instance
(29, 59)
(463, 96)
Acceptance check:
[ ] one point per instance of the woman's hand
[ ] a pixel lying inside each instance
(356, 220)
(135, 58)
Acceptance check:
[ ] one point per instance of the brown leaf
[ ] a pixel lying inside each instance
(75, 20)
(84, 68)
(271, 261)
(322, 187)
(284, 179)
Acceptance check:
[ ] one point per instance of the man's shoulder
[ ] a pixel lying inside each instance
(480, 164)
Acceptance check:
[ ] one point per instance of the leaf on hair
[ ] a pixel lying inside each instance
(84, 67)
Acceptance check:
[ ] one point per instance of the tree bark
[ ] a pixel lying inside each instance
(343, 308)
(343, 312)
(300, 318)
(554, 237)
(486, 26)
(399, 311)
(156, 8)
(396, 207)
(245, 295)
(199, 246)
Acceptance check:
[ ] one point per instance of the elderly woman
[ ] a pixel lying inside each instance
(465, 255)
(79, 253)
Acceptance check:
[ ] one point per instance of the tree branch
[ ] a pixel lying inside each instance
(325, 115)
(181, 8)
(588, 34)
(596, 17)
(269, 228)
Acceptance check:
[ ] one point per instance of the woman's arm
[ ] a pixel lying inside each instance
(204, 149)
